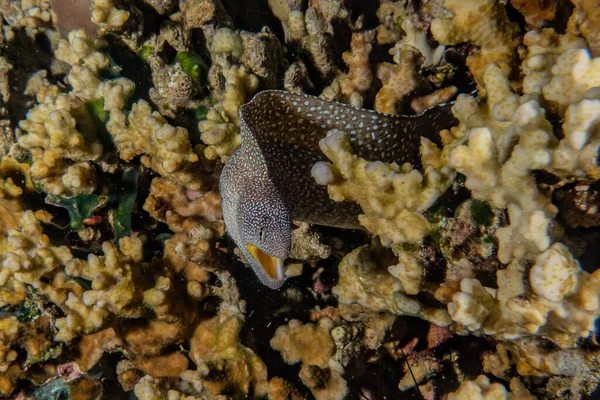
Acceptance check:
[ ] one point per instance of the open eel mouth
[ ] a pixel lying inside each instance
(272, 266)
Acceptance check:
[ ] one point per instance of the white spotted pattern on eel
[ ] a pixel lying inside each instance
(267, 182)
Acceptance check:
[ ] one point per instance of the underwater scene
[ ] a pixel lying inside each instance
(299, 199)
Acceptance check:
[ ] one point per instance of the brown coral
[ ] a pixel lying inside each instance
(584, 21)
(398, 80)
(537, 13)
(224, 363)
(195, 213)
(579, 203)
(484, 24)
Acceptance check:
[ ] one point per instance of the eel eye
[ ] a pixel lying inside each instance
(261, 234)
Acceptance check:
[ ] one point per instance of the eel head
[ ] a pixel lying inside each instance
(263, 231)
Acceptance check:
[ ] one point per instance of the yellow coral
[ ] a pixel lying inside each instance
(220, 130)
(56, 145)
(498, 164)
(563, 301)
(106, 15)
(584, 22)
(483, 23)
(482, 389)
(308, 343)
(164, 148)
(31, 14)
(61, 153)
(215, 348)
(15, 181)
(81, 52)
(543, 48)
(574, 74)
(367, 280)
(195, 213)
(359, 77)
(398, 81)
(391, 197)
(227, 41)
(313, 346)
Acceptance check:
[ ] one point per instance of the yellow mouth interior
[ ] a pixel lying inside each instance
(271, 265)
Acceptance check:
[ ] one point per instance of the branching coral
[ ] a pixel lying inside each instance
(310, 344)
(360, 77)
(471, 242)
(563, 301)
(416, 39)
(86, 62)
(508, 138)
(536, 13)
(220, 130)
(484, 24)
(498, 168)
(398, 81)
(33, 337)
(61, 153)
(584, 21)
(118, 285)
(392, 197)
(15, 181)
(164, 148)
(31, 14)
(371, 280)
(576, 70)
(106, 15)
(543, 48)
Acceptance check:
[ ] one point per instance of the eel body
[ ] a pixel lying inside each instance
(267, 182)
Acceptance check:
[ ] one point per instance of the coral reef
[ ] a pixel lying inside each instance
(476, 273)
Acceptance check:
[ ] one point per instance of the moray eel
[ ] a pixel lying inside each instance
(267, 181)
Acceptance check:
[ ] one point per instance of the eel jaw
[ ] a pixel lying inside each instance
(272, 266)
